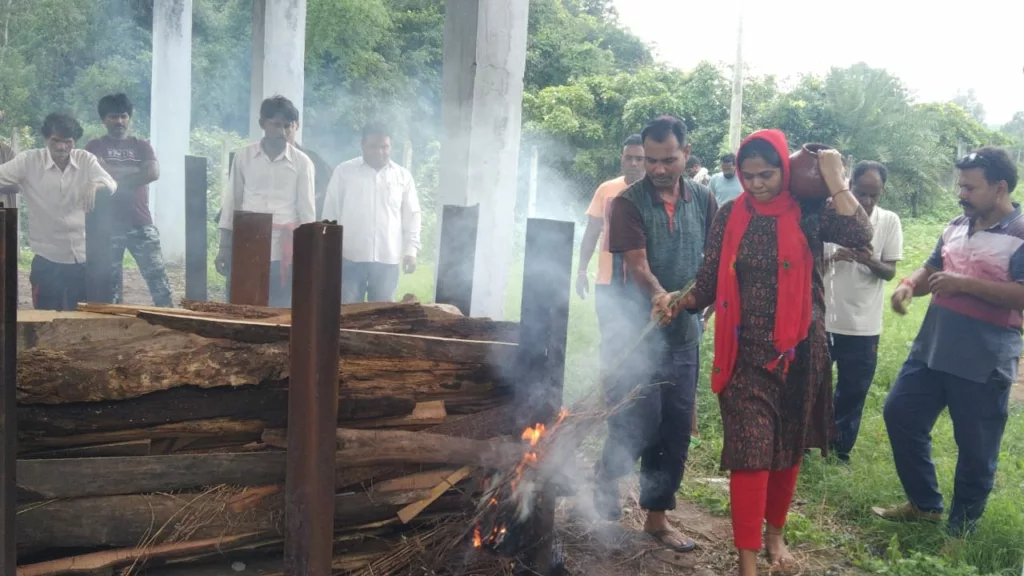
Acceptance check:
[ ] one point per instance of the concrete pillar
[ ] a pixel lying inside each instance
(278, 57)
(484, 63)
(171, 119)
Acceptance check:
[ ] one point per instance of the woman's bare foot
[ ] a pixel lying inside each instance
(779, 554)
(748, 562)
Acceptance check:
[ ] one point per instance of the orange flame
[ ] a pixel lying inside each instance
(533, 435)
(477, 540)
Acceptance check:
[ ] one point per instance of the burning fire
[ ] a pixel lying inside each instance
(533, 435)
(521, 499)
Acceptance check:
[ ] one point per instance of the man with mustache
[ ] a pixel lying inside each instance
(132, 162)
(657, 230)
(273, 177)
(965, 355)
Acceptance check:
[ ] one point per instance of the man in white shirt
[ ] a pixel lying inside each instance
(59, 185)
(375, 201)
(854, 286)
(271, 177)
(696, 172)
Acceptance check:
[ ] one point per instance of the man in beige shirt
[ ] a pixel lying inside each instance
(59, 185)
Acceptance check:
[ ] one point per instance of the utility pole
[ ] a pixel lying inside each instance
(736, 110)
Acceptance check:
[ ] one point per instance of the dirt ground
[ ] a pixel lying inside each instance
(135, 289)
(598, 548)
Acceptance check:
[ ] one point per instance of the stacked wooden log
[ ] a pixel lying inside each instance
(155, 437)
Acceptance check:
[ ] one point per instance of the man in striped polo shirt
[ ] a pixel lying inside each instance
(965, 355)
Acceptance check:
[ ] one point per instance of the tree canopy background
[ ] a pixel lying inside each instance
(589, 84)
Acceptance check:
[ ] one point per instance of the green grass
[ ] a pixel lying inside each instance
(837, 500)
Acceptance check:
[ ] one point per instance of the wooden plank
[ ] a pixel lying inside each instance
(378, 447)
(123, 521)
(190, 429)
(363, 343)
(132, 448)
(267, 403)
(250, 258)
(51, 329)
(83, 477)
(423, 415)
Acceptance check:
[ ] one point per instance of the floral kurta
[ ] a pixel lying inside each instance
(770, 418)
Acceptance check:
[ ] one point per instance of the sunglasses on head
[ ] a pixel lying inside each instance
(975, 160)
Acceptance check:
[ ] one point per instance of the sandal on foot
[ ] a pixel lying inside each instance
(663, 538)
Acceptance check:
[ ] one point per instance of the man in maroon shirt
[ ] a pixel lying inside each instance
(132, 162)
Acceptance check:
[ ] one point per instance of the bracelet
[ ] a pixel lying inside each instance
(907, 282)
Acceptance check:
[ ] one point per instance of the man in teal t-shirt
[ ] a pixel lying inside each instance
(725, 185)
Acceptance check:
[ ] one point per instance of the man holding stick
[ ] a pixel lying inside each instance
(657, 230)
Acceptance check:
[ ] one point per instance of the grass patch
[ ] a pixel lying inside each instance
(837, 500)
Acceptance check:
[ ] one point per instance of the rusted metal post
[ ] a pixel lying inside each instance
(195, 228)
(543, 331)
(250, 258)
(456, 256)
(313, 400)
(8, 383)
(99, 276)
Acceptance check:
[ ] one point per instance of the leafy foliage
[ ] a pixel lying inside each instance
(589, 84)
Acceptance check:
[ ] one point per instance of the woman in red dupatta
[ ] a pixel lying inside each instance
(771, 370)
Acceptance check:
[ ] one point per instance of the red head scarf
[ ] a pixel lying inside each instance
(793, 291)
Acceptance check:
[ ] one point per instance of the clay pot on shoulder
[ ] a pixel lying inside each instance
(805, 179)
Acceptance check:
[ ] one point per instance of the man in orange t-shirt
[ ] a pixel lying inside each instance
(632, 162)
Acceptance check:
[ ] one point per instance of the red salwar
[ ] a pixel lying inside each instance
(756, 496)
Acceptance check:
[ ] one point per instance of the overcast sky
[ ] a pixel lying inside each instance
(936, 48)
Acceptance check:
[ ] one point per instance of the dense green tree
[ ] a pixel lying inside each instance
(589, 83)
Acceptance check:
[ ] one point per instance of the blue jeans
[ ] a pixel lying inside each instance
(655, 428)
(368, 281)
(979, 412)
(856, 358)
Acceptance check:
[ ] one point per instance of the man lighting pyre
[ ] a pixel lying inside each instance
(657, 230)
